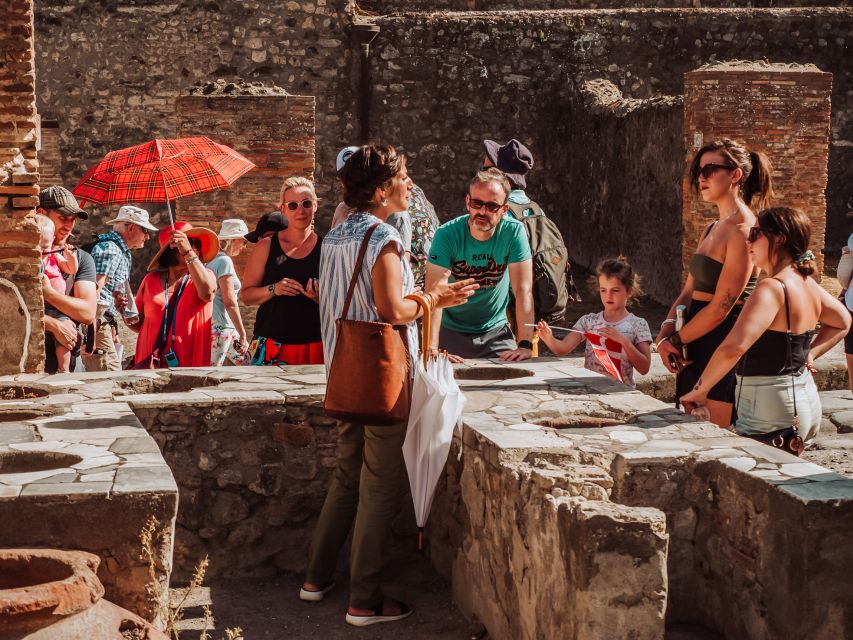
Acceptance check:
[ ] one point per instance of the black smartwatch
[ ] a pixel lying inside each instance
(675, 340)
(271, 289)
(525, 344)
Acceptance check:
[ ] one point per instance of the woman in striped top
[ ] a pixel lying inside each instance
(376, 185)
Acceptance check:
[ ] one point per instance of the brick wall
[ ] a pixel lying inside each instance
(399, 6)
(50, 158)
(783, 110)
(21, 303)
(276, 132)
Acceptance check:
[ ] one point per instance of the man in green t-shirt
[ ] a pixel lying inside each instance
(492, 248)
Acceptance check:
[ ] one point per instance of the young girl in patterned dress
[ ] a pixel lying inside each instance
(617, 284)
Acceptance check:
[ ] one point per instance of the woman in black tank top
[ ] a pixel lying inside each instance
(772, 336)
(281, 277)
(725, 173)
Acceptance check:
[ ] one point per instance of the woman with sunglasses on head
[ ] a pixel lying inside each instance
(722, 274)
(774, 334)
(282, 277)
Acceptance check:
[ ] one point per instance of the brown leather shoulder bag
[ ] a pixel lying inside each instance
(369, 380)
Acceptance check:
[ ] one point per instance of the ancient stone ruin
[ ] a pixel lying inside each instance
(578, 508)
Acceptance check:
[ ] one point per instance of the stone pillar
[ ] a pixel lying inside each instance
(274, 130)
(21, 303)
(781, 109)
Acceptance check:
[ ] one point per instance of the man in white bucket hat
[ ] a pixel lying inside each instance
(229, 333)
(111, 252)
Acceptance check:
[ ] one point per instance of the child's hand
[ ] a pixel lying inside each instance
(544, 330)
(612, 334)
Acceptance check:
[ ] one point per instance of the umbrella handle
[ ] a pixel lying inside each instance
(427, 318)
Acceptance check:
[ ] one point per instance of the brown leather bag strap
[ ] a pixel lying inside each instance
(358, 262)
(427, 319)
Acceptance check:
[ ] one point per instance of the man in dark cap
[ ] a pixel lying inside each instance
(78, 305)
(514, 160)
(554, 287)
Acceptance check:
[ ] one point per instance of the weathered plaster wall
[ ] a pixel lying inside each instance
(21, 302)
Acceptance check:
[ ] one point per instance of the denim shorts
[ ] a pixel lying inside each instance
(766, 404)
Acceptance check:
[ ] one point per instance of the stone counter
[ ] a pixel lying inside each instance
(579, 508)
(79, 471)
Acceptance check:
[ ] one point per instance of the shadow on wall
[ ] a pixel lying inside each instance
(622, 161)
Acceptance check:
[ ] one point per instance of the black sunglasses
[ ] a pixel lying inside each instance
(755, 233)
(709, 169)
(491, 207)
(306, 204)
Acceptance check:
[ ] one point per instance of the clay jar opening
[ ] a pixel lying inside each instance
(24, 572)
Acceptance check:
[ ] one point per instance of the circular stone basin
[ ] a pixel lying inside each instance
(27, 461)
(572, 421)
(491, 373)
(17, 415)
(21, 392)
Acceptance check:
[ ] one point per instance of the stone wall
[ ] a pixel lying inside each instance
(441, 82)
(147, 54)
(252, 482)
(400, 6)
(21, 302)
(629, 204)
(762, 551)
(456, 65)
(783, 110)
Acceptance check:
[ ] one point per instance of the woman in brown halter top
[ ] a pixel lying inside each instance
(726, 174)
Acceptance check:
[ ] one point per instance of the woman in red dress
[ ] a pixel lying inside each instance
(178, 276)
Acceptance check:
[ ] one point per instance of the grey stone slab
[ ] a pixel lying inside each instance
(103, 476)
(58, 478)
(141, 444)
(67, 488)
(741, 463)
(766, 452)
(172, 400)
(144, 479)
(9, 491)
(834, 491)
(261, 396)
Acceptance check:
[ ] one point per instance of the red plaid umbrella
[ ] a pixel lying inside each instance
(162, 170)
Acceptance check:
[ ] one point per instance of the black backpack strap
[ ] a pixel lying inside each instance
(519, 209)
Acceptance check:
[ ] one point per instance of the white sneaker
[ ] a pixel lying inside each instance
(314, 596)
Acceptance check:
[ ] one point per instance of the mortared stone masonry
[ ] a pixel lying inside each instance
(781, 109)
(21, 303)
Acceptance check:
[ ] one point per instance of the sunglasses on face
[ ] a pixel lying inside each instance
(710, 169)
(305, 204)
(491, 207)
(755, 233)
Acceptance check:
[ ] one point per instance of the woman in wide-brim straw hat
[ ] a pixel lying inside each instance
(229, 334)
(178, 281)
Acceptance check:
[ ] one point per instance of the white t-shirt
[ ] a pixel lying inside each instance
(632, 327)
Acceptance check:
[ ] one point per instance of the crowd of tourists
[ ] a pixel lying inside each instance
(741, 345)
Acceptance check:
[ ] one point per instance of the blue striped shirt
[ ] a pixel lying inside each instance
(112, 259)
(337, 261)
